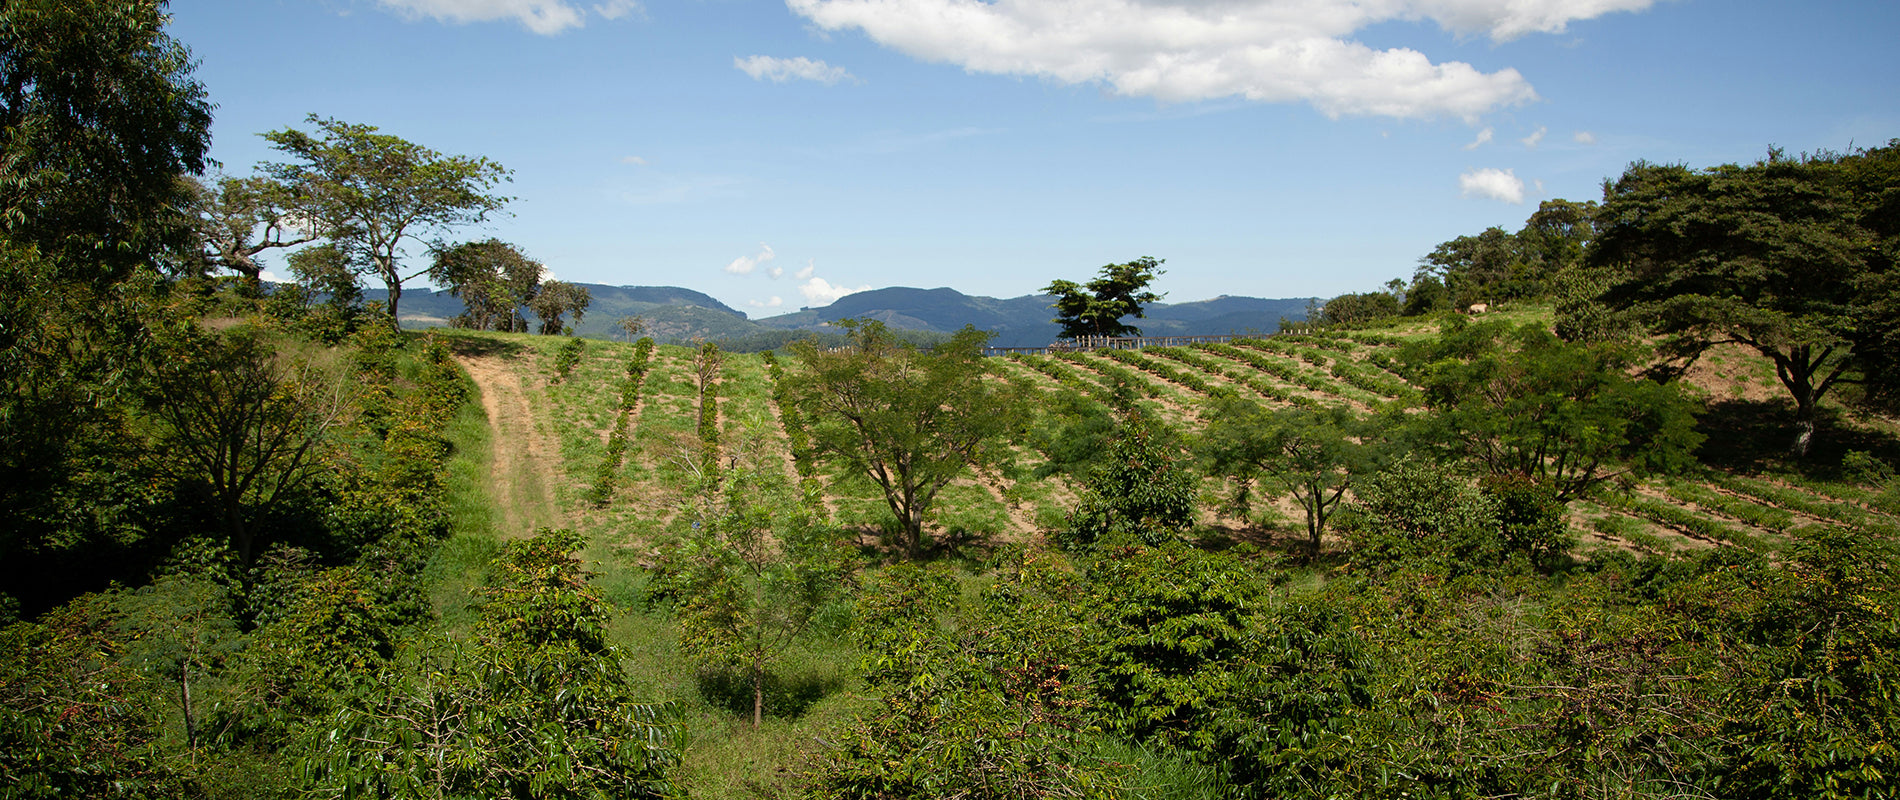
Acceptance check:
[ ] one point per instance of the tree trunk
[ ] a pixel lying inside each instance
(1803, 426)
(184, 694)
(758, 690)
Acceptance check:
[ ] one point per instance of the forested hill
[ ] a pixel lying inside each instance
(676, 314)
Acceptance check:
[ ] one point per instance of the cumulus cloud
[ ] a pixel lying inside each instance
(1584, 137)
(1494, 184)
(820, 292)
(810, 266)
(744, 265)
(634, 160)
(1483, 137)
(775, 272)
(546, 17)
(1535, 137)
(780, 70)
(1263, 50)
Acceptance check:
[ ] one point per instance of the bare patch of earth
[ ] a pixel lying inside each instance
(524, 457)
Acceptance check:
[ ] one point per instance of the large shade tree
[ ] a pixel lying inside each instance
(1789, 256)
(1097, 308)
(371, 194)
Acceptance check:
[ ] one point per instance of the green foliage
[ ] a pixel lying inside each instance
(1142, 491)
(1360, 308)
(911, 422)
(540, 708)
(76, 720)
(981, 701)
(1788, 256)
(1174, 631)
(558, 298)
(1415, 511)
(100, 116)
(1523, 402)
(750, 570)
(493, 279)
(568, 356)
(1310, 454)
(602, 492)
(368, 192)
(1098, 308)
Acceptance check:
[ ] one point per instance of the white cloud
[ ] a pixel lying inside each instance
(615, 9)
(819, 291)
(775, 302)
(1535, 137)
(1188, 50)
(634, 160)
(810, 266)
(1483, 137)
(1585, 137)
(775, 272)
(744, 265)
(780, 70)
(546, 17)
(1495, 184)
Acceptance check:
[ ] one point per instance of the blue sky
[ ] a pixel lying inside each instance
(778, 154)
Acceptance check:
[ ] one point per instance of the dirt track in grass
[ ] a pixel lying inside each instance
(524, 457)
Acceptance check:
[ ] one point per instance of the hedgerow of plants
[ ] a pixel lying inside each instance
(1760, 516)
(1680, 519)
(568, 356)
(1803, 502)
(1190, 380)
(602, 492)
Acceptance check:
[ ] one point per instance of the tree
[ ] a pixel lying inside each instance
(1309, 453)
(753, 568)
(557, 298)
(1120, 291)
(1360, 308)
(99, 115)
(1568, 416)
(1786, 256)
(632, 326)
(370, 193)
(910, 421)
(493, 279)
(1139, 492)
(239, 218)
(241, 424)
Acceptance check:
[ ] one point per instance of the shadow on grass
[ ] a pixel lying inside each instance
(786, 696)
(468, 346)
(1758, 435)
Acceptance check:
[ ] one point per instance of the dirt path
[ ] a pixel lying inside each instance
(524, 458)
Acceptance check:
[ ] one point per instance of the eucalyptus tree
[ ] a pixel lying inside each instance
(371, 193)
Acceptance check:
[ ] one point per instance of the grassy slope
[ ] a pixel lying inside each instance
(728, 759)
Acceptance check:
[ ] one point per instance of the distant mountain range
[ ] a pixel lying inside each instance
(673, 314)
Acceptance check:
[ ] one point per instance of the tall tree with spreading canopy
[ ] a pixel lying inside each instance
(556, 299)
(910, 421)
(1097, 308)
(1792, 257)
(99, 115)
(371, 193)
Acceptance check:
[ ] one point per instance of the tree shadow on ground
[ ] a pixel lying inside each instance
(788, 694)
(1758, 435)
(482, 347)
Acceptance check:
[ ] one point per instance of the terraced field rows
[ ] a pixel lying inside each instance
(1013, 503)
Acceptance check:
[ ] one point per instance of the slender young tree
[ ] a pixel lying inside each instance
(910, 421)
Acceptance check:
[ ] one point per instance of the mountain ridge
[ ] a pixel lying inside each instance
(677, 314)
